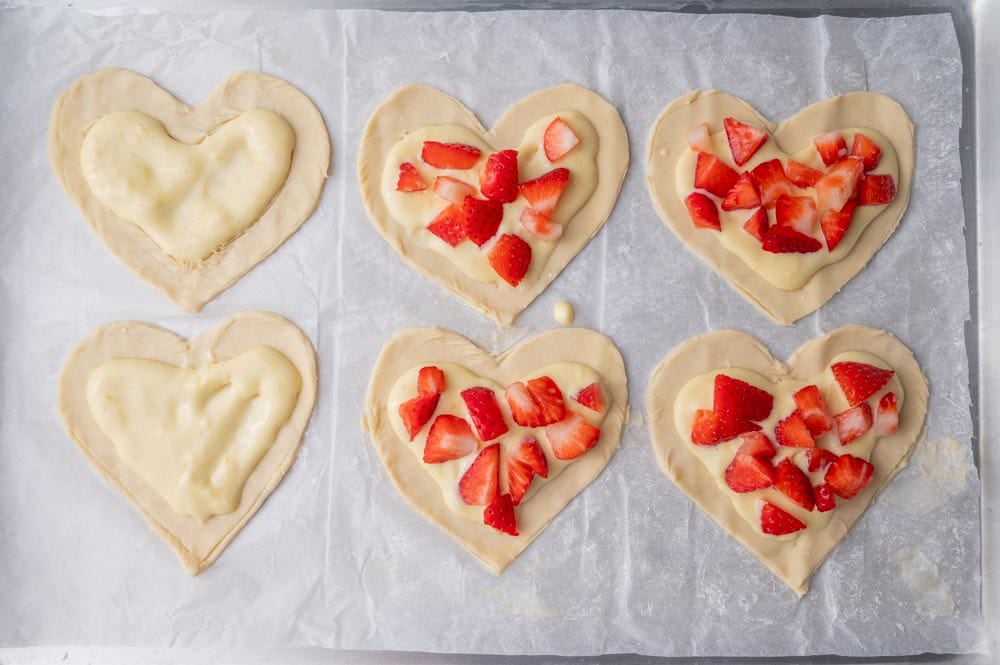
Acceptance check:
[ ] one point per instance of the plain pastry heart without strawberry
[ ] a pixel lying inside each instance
(493, 215)
(786, 457)
(491, 449)
(788, 230)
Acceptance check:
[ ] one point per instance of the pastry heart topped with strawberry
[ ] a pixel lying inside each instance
(787, 229)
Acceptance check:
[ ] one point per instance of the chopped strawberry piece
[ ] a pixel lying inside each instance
(498, 179)
(802, 176)
(571, 437)
(743, 195)
(524, 408)
(410, 179)
(713, 175)
(784, 240)
(699, 139)
(848, 476)
(867, 150)
(500, 515)
(481, 219)
(810, 403)
(539, 225)
(430, 381)
(481, 483)
(877, 190)
(796, 212)
(417, 411)
(450, 155)
(887, 416)
(448, 225)
(543, 192)
(591, 398)
(558, 140)
(703, 211)
(744, 140)
(485, 413)
(733, 398)
(835, 223)
(824, 498)
(771, 181)
(710, 428)
(831, 147)
(549, 398)
(452, 189)
(758, 224)
(756, 444)
(817, 458)
(853, 423)
(747, 473)
(859, 381)
(776, 522)
(528, 459)
(793, 432)
(793, 483)
(450, 438)
(839, 184)
(510, 258)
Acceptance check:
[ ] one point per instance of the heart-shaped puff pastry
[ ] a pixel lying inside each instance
(98, 399)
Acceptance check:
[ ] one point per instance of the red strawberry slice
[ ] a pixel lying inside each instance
(510, 258)
(848, 476)
(743, 195)
(853, 423)
(699, 140)
(796, 212)
(859, 381)
(831, 147)
(410, 179)
(480, 484)
(549, 399)
(801, 175)
(524, 408)
(835, 223)
(590, 397)
(481, 219)
(543, 192)
(793, 432)
(450, 438)
(756, 444)
(430, 381)
(887, 416)
(784, 240)
(498, 179)
(771, 181)
(867, 150)
(758, 224)
(810, 403)
(452, 189)
(817, 458)
(702, 211)
(571, 437)
(877, 190)
(528, 459)
(839, 184)
(558, 140)
(416, 412)
(710, 428)
(744, 140)
(824, 498)
(485, 413)
(713, 175)
(450, 155)
(747, 473)
(776, 522)
(448, 225)
(793, 483)
(737, 399)
(500, 515)
(539, 225)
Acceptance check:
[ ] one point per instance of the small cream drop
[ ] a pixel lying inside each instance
(563, 313)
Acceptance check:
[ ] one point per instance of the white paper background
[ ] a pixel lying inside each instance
(335, 557)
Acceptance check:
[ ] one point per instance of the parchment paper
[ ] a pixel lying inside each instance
(336, 558)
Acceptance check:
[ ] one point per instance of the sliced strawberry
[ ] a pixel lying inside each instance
(747, 473)
(524, 408)
(543, 192)
(410, 179)
(817, 458)
(796, 212)
(528, 459)
(744, 140)
(450, 155)
(756, 444)
(590, 397)
(859, 381)
(500, 515)
(793, 483)
(887, 416)
(558, 140)
(776, 522)
(877, 190)
(853, 423)
(510, 258)
(417, 411)
(549, 399)
(481, 219)
(450, 438)
(784, 240)
(743, 195)
(448, 225)
(498, 179)
(571, 437)
(810, 403)
(713, 175)
(839, 184)
(738, 399)
(480, 484)
(452, 189)
(702, 211)
(699, 139)
(540, 226)
(758, 224)
(771, 181)
(835, 223)
(710, 428)
(831, 147)
(802, 176)
(824, 498)
(793, 432)
(430, 381)
(848, 476)
(485, 413)
(867, 150)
